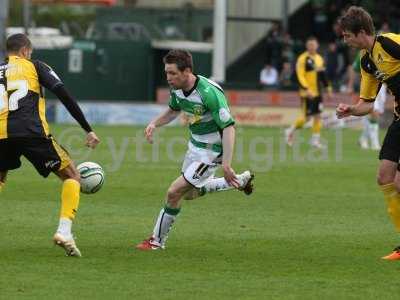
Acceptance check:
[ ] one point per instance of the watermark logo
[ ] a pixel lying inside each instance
(259, 152)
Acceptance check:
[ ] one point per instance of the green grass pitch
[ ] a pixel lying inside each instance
(315, 227)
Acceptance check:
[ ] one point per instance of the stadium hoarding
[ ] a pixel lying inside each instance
(269, 98)
(284, 116)
(111, 113)
(124, 113)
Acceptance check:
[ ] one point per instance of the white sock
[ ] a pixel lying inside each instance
(366, 128)
(162, 227)
(64, 228)
(315, 138)
(216, 185)
(374, 134)
(220, 184)
(291, 129)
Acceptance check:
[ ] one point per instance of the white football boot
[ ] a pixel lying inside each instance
(67, 244)
(246, 184)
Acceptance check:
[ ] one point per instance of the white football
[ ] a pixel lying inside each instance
(92, 177)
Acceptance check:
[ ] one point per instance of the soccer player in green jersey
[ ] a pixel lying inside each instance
(211, 142)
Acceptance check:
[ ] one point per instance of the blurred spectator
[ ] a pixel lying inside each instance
(273, 53)
(332, 65)
(269, 76)
(286, 76)
(287, 50)
(385, 28)
(343, 55)
(320, 20)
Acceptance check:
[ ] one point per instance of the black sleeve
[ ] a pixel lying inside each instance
(323, 78)
(391, 47)
(70, 104)
(47, 77)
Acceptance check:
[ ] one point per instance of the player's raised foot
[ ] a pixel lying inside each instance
(247, 182)
(149, 244)
(363, 142)
(395, 255)
(289, 137)
(68, 244)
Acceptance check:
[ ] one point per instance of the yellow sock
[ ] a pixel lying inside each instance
(392, 198)
(316, 127)
(299, 122)
(1, 185)
(70, 198)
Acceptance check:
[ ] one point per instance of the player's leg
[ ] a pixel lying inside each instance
(379, 109)
(315, 109)
(47, 157)
(9, 159)
(219, 184)
(298, 124)
(70, 196)
(316, 131)
(195, 174)
(389, 181)
(373, 130)
(364, 137)
(167, 215)
(388, 177)
(3, 178)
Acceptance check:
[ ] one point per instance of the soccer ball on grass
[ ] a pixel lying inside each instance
(92, 177)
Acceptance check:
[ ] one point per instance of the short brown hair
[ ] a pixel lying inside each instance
(17, 41)
(182, 59)
(356, 19)
(312, 38)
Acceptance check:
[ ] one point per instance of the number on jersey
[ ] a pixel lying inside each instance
(19, 90)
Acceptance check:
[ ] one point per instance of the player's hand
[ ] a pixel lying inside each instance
(343, 110)
(92, 140)
(230, 176)
(148, 132)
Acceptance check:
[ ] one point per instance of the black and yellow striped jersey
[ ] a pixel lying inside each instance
(22, 103)
(310, 72)
(381, 65)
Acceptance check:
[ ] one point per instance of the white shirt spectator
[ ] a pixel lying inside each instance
(269, 76)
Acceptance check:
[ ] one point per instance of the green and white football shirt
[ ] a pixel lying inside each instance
(207, 110)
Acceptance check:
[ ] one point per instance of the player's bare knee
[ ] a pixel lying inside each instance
(173, 194)
(188, 196)
(383, 178)
(76, 177)
(72, 173)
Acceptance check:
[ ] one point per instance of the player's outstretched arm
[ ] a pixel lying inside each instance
(73, 108)
(362, 108)
(228, 141)
(164, 118)
(49, 79)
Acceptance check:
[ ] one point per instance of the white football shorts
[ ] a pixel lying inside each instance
(200, 165)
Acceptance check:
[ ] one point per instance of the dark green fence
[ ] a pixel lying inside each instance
(114, 70)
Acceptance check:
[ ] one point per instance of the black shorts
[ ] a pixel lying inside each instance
(391, 144)
(311, 106)
(44, 154)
